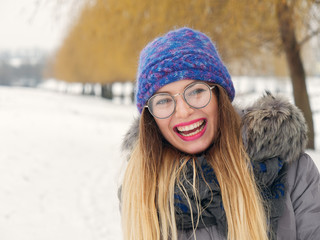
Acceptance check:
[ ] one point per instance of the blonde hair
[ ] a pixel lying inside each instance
(155, 167)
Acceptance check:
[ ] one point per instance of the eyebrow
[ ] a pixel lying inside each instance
(182, 89)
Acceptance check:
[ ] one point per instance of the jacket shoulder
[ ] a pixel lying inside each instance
(130, 138)
(301, 218)
(303, 174)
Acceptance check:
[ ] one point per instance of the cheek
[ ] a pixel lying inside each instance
(215, 126)
(213, 114)
(163, 125)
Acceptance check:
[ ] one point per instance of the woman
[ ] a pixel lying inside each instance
(200, 169)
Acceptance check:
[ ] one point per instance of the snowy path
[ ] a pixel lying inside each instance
(59, 165)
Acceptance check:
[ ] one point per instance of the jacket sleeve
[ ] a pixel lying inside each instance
(305, 197)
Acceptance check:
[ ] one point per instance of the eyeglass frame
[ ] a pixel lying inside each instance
(183, 94)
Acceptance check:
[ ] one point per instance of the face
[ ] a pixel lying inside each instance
(189, 130)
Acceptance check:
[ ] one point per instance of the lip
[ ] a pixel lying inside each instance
(194, 137)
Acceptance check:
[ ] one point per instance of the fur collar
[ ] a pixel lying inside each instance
(271, 127)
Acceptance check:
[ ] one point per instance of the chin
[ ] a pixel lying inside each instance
(194, 150)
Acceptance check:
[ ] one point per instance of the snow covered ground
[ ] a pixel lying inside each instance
(60, 164)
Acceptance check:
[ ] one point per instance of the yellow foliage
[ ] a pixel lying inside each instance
(104, 44)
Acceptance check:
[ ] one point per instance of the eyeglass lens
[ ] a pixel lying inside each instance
(162, 105)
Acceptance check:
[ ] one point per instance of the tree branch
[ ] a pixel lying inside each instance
(308, 37)
(293, 3)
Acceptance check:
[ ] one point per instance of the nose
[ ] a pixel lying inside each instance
(183, 110)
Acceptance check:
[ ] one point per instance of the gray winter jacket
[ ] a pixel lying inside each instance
(272, 127)
(301, 215)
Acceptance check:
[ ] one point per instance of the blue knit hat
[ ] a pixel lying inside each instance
(180, 54)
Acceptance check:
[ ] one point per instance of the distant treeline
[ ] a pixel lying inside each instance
(24, 74)
(22, 69)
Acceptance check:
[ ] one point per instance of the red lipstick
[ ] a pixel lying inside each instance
(190, 131)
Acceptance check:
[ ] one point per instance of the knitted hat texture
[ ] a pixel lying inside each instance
(180, 54)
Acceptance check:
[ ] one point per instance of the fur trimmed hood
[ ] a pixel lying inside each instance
(271, 127)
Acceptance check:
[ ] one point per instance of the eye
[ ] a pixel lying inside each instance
(196, 91)
(163, 101)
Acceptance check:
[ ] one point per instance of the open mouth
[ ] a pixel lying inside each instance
(192, 130)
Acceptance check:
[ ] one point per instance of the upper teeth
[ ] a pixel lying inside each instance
(190, 127)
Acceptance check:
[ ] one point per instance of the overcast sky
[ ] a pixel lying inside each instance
(24, 24)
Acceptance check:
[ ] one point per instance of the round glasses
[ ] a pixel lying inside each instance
(197, 95)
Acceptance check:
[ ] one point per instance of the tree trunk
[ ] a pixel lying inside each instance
(91, 91)
(132, 95)
(106, 91)
(83, 88)
(296, 69)
(122, 94)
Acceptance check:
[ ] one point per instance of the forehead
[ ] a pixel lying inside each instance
(175, 87)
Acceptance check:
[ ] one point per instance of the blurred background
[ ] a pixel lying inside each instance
(67, 73)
